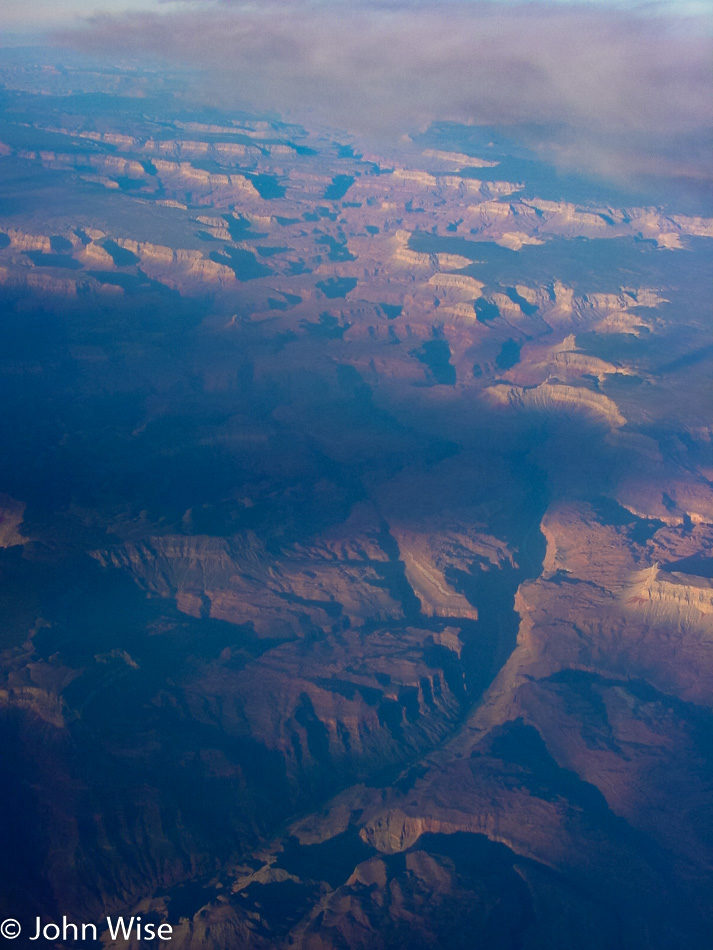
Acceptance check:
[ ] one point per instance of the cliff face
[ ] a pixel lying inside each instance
(552, 397)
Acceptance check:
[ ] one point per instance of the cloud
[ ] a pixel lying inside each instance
(616, 89)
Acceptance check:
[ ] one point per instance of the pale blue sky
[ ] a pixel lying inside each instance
(39, 15)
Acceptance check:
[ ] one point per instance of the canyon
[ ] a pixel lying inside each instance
(356, 534)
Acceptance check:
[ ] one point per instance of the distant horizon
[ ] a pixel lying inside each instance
(620, 91)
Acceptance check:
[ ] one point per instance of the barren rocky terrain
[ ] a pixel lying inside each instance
(356, 536)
